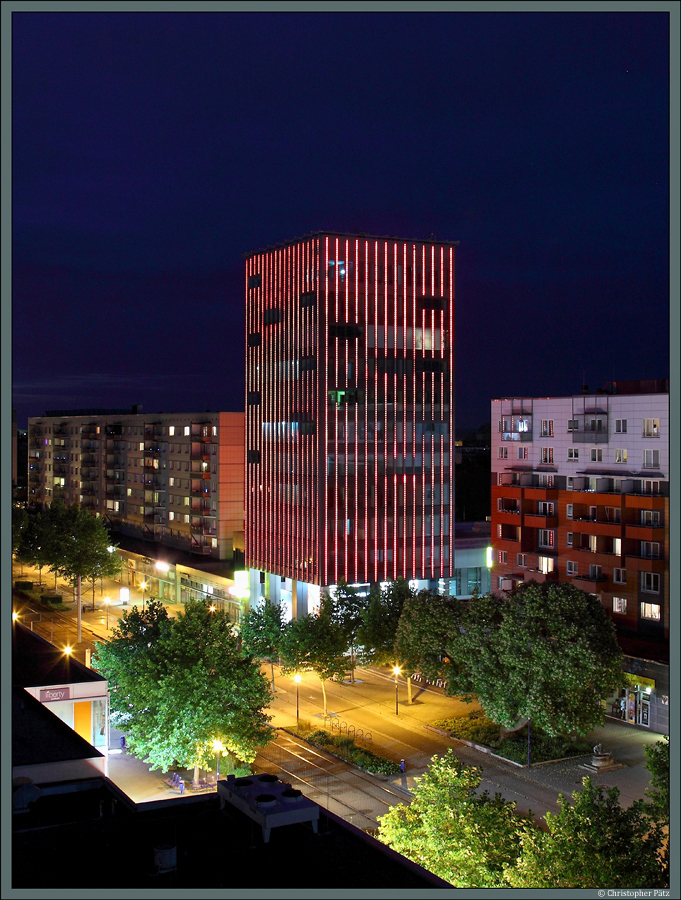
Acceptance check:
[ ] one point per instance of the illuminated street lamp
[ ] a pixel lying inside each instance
(396, 672)
(218, 748)
(106, 604)
(296, 678)
(15, 616)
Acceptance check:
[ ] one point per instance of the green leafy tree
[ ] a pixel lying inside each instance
(178, 685)
(546, 653)
(19, 523)
(261, 632)
(346, 608)
(657, 763)
(465, 837)
(37, 544)
(428, 627)
(378, 627)
(594, 842)
(314, 643)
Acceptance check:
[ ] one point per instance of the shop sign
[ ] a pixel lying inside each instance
(51, 694)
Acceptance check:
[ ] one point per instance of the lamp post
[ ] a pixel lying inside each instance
(396, 672)
(296, 678)
(218, 748)
(106, 602)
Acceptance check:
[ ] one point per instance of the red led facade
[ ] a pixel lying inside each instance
(349, 409)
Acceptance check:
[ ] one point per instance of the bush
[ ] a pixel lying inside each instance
(23, 585)
(345, 748)
(477, 728)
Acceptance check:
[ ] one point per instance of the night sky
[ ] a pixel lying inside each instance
(152, 150)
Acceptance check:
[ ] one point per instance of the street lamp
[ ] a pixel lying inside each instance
(296, 678)
(396, 672)
(218, 748)
(106, 602)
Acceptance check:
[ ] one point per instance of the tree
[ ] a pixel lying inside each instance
(346, 608)
(261, 632)
(464, 837)
(314, 643)
(428, 626)
(37, 544)
(657, 763)
(545, 652)
(178, 685)
(592, 843)
(19, 523)
(378, 627)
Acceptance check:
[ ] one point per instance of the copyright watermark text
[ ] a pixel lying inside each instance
(660, 893)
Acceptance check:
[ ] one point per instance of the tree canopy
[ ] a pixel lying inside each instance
(657, 763)
(262, 630)
(465, 837)
(380, 618)
(314, 643)
(177, 685)
(592, 843)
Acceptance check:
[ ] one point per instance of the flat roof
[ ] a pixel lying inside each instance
(37, 663)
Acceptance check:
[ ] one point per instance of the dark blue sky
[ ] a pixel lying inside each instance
(151, 150)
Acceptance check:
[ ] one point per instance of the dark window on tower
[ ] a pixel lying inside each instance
(307, 363)
(253, 339)
(345, 331)
(272, 316)
(254, 281)
(430, 365)
(253, 456)
(308, 298)
(253, 398)
(432, 302)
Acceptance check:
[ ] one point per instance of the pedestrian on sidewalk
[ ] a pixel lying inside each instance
(122, 742)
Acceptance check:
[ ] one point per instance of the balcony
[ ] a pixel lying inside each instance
(539, 520)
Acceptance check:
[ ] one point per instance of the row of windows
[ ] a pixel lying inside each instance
(158, 431)
(651, 458)
(518, 424)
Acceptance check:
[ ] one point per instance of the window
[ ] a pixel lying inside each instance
(650, 583)
(272, 316)
(619, 576)
(253, 456)
(650, 611)
(593, 510)
(545, 564)
(521, 560)
(171, 515)
(569, 484)
(502, 556)
(547, 427)
(571, 568)
(650, 549)
(254, 281)
(547, 538)
(573, 454)
(503, 452)
(650, 487)
(651, 459)
(253, 339)
(595, 572)
(620, 456)
(651, 428)
(617, 546)
(307, 298)
(568, 539)
(544, 508)
(619, 605)
(474, 579)
(187, 430)
(522, 452)
(596, 456)
(569, 509)
(650, 517)
(572, 425)
(546, 454)
(546, 481)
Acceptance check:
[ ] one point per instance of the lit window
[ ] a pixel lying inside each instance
(547, 538)
(619, 605)
(620, 456)
(651, 428)
(650, 611)
(546, 454)
(547, 427)
(545, 564)
(187, 430)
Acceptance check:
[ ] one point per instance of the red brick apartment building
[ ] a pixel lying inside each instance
(580, 494)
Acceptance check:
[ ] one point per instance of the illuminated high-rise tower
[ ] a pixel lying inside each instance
(349, 414)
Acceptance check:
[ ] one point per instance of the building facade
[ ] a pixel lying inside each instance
(175, 479)
(349, 414)
(580, 494)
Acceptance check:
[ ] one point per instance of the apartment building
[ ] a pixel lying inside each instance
(580, 494)
(173, 479)
(349, 414)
